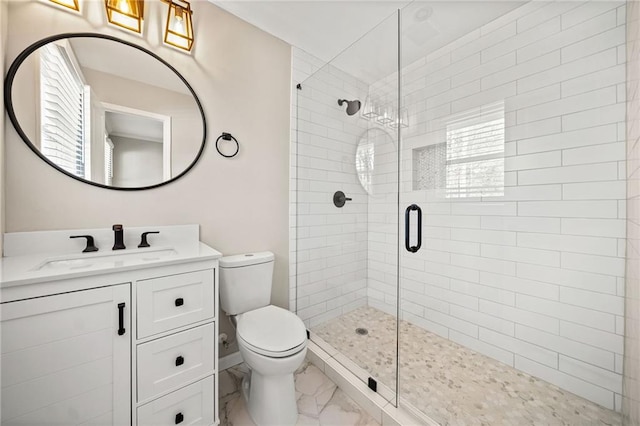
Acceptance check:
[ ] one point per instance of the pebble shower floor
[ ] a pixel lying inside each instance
(452, 384)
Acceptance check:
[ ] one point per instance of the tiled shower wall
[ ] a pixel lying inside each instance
(533, 274)
(631, 383)
(331, 245)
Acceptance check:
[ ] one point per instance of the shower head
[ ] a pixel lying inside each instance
(352, 106)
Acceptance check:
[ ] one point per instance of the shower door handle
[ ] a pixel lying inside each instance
(407, 215)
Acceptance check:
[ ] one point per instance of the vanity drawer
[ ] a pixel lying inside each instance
(173, 361)
(191, 405)
(169, 302)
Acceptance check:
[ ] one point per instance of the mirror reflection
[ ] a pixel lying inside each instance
(107, 113)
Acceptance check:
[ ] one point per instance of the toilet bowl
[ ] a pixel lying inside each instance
(273, 343)
(272, 340)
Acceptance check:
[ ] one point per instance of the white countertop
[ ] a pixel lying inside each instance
(174, 245)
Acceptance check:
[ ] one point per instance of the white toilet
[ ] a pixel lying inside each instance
(272, 340)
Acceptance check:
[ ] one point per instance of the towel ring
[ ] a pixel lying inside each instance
(227, 137)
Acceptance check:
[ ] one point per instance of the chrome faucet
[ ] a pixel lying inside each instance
(118, 243)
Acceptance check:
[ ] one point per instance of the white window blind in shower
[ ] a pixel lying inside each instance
(62, 103)
(475, 153)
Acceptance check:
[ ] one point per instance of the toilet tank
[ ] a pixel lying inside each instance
(245, 282)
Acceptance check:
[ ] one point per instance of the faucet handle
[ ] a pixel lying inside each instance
(143, 240)
(90, 243)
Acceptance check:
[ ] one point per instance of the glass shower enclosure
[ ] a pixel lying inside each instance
(459, 239)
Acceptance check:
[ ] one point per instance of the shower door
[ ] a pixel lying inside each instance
(511, 282)
(345, 226)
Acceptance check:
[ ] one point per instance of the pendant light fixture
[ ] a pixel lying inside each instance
(179, 27)
(71, 4)
(127, 14)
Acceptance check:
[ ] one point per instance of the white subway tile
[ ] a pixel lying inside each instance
(612, 190)
(595, 300)
(527, 224)
(569, 139)
(523, 38)
(520, 347)
(571, 243)
(590, 263)
(600, 339)
(594, 117)
(563, 345)
(452, 221)
(569, 36)
(593, 81)
(576, 279)
(545, 13)
(569, 209)
(482, 347)
(550, 126)
(589, 317)
(488, 67)
(533, 161)
(484, 292)
(452, 323)
(519, 254)
(586, 11)
(566, 381)
(485, 208)
(614, 228)
(450, 246)
(532, 193)
(520, 286)
(534, 97)
(523, 69)
(594, 154)
(594, 44)
(598, 61)
(484, 236)
(497, 93)
(484, 264)
(519, 316)
(568, 105)
(595, 375)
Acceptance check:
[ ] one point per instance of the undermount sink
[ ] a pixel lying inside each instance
(108, 259)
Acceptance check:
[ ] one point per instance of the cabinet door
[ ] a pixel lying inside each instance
(66, 359)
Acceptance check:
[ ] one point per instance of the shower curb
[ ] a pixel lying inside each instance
(379, 408)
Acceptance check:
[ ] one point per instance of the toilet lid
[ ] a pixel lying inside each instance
(272, 329)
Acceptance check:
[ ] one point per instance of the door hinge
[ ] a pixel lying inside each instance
(373, 385)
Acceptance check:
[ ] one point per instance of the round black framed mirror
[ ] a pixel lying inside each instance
(105, 111)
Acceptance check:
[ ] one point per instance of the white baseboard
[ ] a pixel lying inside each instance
(229, 361)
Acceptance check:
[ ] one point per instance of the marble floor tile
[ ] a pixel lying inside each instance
(320, 402)
(452, 384)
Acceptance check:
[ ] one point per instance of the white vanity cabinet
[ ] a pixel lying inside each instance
(66, 358)
(133, 343)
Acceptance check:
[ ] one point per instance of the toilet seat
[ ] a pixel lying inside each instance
(271, 331)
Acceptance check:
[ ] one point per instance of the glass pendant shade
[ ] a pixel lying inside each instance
(127, 14)
(179, 27)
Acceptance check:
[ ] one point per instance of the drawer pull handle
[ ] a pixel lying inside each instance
(179, 301)
(121, 329)
(179, 418)
(179, 360)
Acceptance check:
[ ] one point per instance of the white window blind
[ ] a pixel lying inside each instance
(62, 110)
(475, 153)
(108, 161)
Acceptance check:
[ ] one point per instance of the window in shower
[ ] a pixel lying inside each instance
(470, 163)
(475, 153)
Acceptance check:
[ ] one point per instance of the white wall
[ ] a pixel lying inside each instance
(533, 278)
(242, 76)
(3, 43)
(631, 380)
(136, 162)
